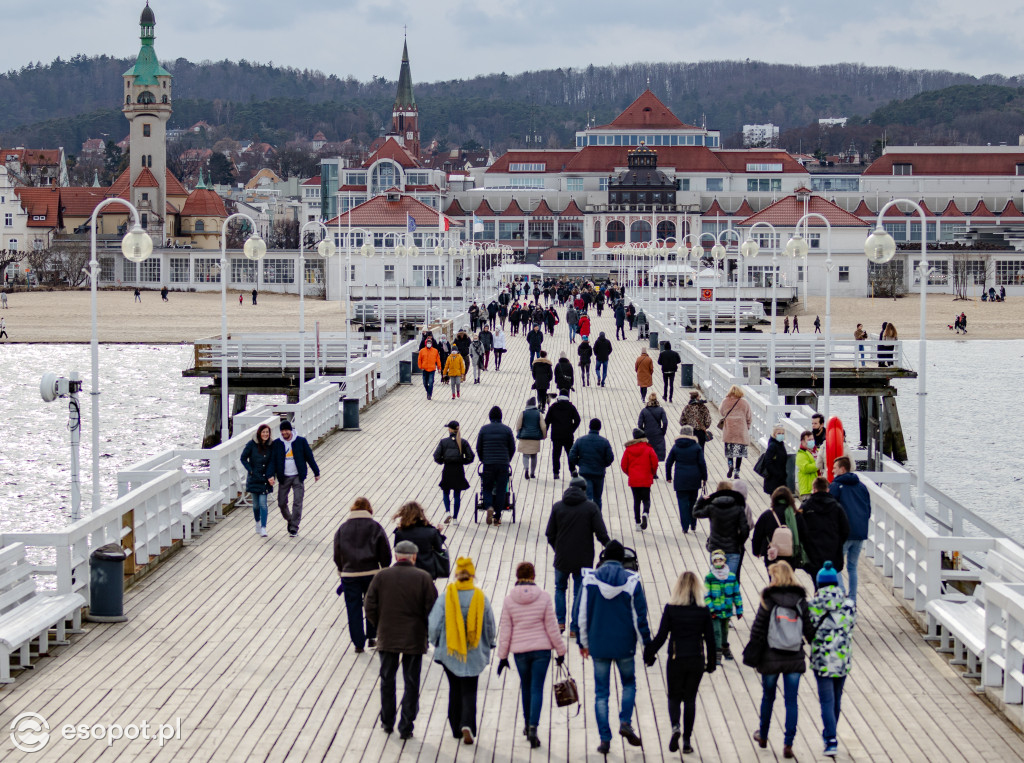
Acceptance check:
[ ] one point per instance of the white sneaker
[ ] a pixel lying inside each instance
(263, 532)
(258, 527)
(455, 520)
(638, 527)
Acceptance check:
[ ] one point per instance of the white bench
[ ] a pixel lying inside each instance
(958, 624)
(200, 509)
(27, 615)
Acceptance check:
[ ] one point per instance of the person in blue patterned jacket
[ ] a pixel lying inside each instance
(723, 599)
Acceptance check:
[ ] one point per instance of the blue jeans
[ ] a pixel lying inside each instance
(533, 670)
(790, 686)
(851, 550)
(572, 332)
(493, 486)
(428, 382)
(457, 495)
(595, 488)
(534, 354)
(601, 371)
(602, 680)
(355, 591)
(259, 508)
(830, 695)
(561, 587)
(686, 499)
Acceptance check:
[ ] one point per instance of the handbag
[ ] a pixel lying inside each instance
(721, 421)
(564, 688)
(759, 465)
(442, 563)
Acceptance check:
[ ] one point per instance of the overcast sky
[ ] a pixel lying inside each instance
(462, 38)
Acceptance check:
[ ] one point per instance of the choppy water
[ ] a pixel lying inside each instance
(147, 407)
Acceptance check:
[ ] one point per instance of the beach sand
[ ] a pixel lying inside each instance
(64, 316)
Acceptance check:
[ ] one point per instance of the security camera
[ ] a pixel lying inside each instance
(52, 386)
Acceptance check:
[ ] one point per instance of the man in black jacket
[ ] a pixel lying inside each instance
(361, 549)
(602, 351)
(534, 340)
(727, 510)
(495, 447)
(291, 458)
(562, 420)
(669, 361)
(591, 455)
(823, 528)
(543, 374)
(572, 527)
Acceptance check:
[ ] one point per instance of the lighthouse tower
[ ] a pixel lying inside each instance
(147, 107)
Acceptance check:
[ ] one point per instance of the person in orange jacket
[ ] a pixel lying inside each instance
(640, 463)
(429, 361)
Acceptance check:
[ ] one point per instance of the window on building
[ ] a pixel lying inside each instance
(378, 240)
(975, 271)
(897, 230)
(761, 275)
(200, 226)
(314, 271)
(149, 270)
(146, 131)
(243, 270)
(570, 256)
(667, 231)
(527, 167)
(206, 270)
(130, 270)
(107, 269)
(886, 273)
(903, 169)
(938, 275)
(844, 273)
(764, 185)
(766, 240)
(145, 197)
(179, 269)
(639, 231)
(9, 220)
(616, 232)
(835, 184)
(764, 167)
(602, 184)
(389, 273)
(384, 176)
(799, 273)
(487, 234)
(278, 270)
(510, 231)
(574, 184)
(1009, 272)
(814, 240)
(570, 230)
(951, 230)
(1020, 168)
(528, 182)
(417, 178)
(352, 273)
(145, 220)
(713, 184)
(544, 230)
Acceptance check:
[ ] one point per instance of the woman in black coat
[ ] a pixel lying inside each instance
(686, 624)
(775, 459)
(256, 460)
(453, 453)
(413, 526)
(654, 422)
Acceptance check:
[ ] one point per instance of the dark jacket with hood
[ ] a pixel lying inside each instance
(535, 339)
(572, 527)
(453, 462)
(462, 342)
(691, 637)
(564, 374)
(612, 612)
(727, 510)
(257, 466)
(563, 420)
(654, 422)
(757, 653)
(585, 353)
(855, 499)
(669, 361)
(602, 348)
(687, 456)
(591, 454)
(775, 460)
(428, 540)
(543, 373)
(824, 529)
(360, 546)
(495, 444)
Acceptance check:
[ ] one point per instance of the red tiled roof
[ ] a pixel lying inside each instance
(203, 202)
(315, 180)
(31, 157)
(744, 210)
(380, 212)
(455, 209)
(146, 179)
(427, 187)
(392, 150)
(649, 112)
(483, 209)
(862, 210)
(553, 161)
(81, 201)
(788, 211)
(682, 158)
(573, 210)
(967, 163)
(44, 202)
(173, 185)
(542, 210)
(952, 210)
(981, 210)
(352, 188)
(1010, 210)
(120, 187)
(737, 160)
(714, 210)
(513, 209)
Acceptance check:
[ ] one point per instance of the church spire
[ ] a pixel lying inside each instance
(404, 99)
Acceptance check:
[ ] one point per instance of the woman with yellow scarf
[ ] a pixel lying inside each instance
(463, 633)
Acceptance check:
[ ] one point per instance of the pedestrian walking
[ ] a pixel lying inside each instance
(690, 475)
(259, 479)
(644, 367)
(455, 371)
(254, 295)
(642, 327)
(833, 615)
(429, 362)
(163, 294)
(529, 632)
(584, 326)
(240, 300)
(654, 422)
(462, 342)
(687, 627)
(590, 456)
(785, 325)
(476, 356)
(474, 316)
(796, 324)
(398, 604)
(727, 510)
(669, 361)
(776, 649)
(823, 527)
(492, 314)
(534, 340)
(413, 526)
(631, 315)
(806, 465)
(562, 419)
(292, 460)
(361, 550)
(855, 499)
(543, 375)
(723, 600)
(461, 628)
(620, 320)
(640, 464)
(138, 295)
(736, 431)
(3, 299)
(564, 376)
(500, 346)
(696, 414)
(572, 319)
(530, 430)
(585, 352)
(776, 534)
(454, 454)
(487, 340)
(817, 324)
(495, 447)
(573, 525)
(612, 613)
(602, 352)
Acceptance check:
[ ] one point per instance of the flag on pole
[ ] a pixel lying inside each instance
(411, 223)
(447, 224)
(478, 224)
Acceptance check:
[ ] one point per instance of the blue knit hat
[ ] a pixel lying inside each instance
(827, 575)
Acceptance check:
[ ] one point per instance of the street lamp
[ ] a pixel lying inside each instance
(880, 248)
(255, 249)
(750, 249)
(799, 248)
(325, 249)
(137, 246)
(739, 269)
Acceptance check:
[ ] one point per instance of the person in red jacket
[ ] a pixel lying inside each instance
(584, 325)
(640, 463)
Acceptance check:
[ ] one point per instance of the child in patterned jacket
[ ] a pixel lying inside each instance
(723, 599)
(832, 614)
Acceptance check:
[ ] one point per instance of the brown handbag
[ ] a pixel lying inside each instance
(721, 421)
(564, 688)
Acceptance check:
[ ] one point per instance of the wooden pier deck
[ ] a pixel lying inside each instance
(244, 639)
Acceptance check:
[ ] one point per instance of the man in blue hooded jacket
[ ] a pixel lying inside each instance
(855, 499)
(613, 608)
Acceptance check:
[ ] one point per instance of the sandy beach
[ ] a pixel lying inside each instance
(64, 316)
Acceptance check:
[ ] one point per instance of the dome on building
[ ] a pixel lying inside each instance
(148, 17)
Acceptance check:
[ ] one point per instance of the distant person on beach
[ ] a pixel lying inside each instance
(3, 299)
(138, 294)
(163, 294)
(254, 294)
(817, 324)
(292, 459)
(785, 325)
(256, 458)
(240, 300)
(361, 550)
(796, 324)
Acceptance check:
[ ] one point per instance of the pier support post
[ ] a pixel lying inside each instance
(212, 433)
(238, 404)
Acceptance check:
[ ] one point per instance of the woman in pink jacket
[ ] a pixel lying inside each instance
(735, 412)
(530, 631)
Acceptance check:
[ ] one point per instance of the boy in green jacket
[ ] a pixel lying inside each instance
(722, 599)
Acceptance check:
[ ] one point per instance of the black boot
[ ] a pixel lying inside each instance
(531, 734)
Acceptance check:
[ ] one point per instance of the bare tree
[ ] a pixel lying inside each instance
(9, 257)
(887, 280)
(41, 262)
(69, 261)
(964, 273)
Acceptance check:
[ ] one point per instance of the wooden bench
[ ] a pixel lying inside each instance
(200, 508)
(958, 624)
(27, 615)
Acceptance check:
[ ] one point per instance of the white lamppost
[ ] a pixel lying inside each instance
(797, 247)
(255, 249)
(880, 248)
(739, 270)
(136, 246)
(698, 255)
(326, 250)
(367, 250)
(750, 249)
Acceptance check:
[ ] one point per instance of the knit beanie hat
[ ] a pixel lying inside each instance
(464, 563)
(717, 555)
(495, 414)
(686, 431)
(638, 434)
(827, 575)
(614, 552)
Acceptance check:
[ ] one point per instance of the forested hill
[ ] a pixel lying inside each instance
(65, 102)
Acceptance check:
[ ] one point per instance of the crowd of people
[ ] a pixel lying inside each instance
(391, 591)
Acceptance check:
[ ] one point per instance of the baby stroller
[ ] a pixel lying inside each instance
(510, 496)
(630, 562)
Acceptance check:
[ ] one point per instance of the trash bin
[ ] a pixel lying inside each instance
(686, 375)
(414, 365)
(653, 339)
(662, 346)
(405, 372)
(350, 413)
(106, 584)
